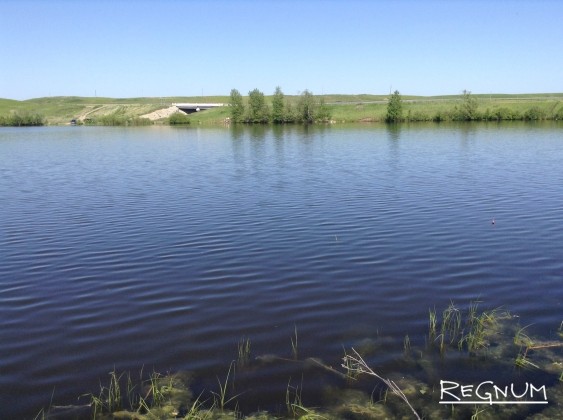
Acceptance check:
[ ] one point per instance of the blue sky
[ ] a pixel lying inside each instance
(123, 48)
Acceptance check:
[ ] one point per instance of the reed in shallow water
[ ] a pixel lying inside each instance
(358, 364)
(243, 350)
(221, 398)
(294, 343)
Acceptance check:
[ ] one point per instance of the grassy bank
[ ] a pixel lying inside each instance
(343, 108)
(489, 108)
(61, 110)
(19, 119)
(373, 108)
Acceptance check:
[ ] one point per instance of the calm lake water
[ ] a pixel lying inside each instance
(160, 248)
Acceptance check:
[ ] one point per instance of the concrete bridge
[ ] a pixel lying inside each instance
(191, 108)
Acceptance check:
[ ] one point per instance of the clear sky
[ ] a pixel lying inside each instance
(122, 48)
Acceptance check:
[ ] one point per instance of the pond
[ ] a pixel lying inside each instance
(161, 249)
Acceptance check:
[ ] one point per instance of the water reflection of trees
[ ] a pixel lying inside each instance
(394, 132)
(393, 135)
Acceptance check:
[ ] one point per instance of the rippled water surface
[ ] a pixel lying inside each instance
(162, 247)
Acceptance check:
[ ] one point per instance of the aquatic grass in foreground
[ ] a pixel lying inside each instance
(432, 323)
(243, 350)
(492, 335)
(109, 399)
(221, 399)
(451, 325)
(407, 345)
(294, 343)
(348, 365)
(466, 331)
(293, 401)
(358, 365)
(477, 327)
(157, 397)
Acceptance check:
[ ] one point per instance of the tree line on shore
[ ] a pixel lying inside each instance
(307, 110)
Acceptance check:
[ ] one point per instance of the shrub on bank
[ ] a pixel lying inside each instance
(440, 116)
(505, 114)
(117, 119)
(16, 119)
(419, 116)
(534, 114)
(179, 118)
(467, 110)
(395, 108)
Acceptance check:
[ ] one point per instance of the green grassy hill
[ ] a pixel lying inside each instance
(344, 108)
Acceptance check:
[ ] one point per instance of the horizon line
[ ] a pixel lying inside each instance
(322, 94)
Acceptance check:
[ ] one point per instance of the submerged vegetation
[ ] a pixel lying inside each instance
(458, 340)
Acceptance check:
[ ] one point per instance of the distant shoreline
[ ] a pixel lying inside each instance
(343, 108)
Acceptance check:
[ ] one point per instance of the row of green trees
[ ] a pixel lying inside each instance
(307, 109)
(25, 119)
(467, 110)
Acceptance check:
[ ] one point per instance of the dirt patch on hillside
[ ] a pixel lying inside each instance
(161, 113)
(89, 110)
